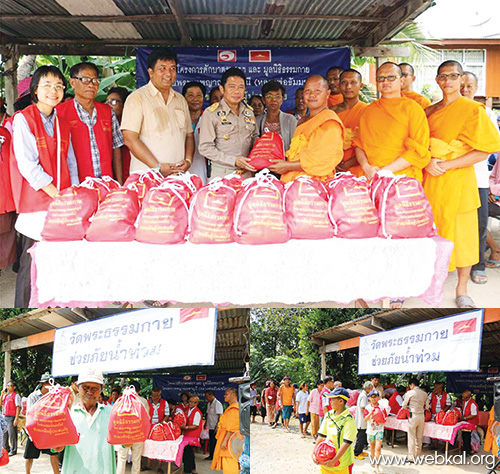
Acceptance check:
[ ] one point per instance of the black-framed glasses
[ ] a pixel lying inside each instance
(88, 80)
(442, 77)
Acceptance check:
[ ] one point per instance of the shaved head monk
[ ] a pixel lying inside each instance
(349, 111)
(407, 80)
(316, 147)
(333, 78)
(461, 135)
(393, 130)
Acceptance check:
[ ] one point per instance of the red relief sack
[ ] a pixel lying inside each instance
(379, 415)
(211, 214)
(350, 207)
(266, 148)
(171, 430)
(428, 415)
(4, 460)
(144, 182)
(438, 419)
(234, 180)
(402, 206)
(259, 217)
(403, 414)
(164, 215)
(306, 209)
(325, 451)
(69, 213)
(451, 417)
(157, 433)
(48, 421)
(128, 421)
(190, 182)
(114, 220)
(180, 418)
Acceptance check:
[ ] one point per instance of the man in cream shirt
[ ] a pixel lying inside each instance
(156, 124)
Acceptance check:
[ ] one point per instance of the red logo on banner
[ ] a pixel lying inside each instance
(259, 55)
(187, 378)
(201, 377)
(467, 325)
(226, 55)
(188, 314)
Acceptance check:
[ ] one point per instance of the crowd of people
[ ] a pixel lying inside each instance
(58, 141)
(347, 416)
(90, 412)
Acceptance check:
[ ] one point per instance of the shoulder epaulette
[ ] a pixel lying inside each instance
(213, 107)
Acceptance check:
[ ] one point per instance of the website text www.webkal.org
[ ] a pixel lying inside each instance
(436, 459)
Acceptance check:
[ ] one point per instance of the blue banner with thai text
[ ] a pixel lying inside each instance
(476, 382)
(290, 66)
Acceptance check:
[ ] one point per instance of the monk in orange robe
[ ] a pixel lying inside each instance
(407, 80)
(229, 423)
(316, 147)
(349, 111)
(393, 130)
(333, 78)
(461, 135)
(490, 440)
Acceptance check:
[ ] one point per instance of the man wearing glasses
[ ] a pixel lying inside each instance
(393, 131)
(92, 453)
(95, 131)
(461, 135)
(192, 429)
(407, 80)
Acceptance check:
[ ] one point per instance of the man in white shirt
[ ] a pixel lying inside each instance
(214, 411)
(361, 404)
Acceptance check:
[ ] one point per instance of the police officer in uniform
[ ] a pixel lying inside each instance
(228, 128)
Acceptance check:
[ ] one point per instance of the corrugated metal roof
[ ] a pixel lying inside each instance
(158, 30)
(137, 7)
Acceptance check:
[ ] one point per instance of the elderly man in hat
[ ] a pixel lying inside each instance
(31, 452)
(339, 427)
(92, 454)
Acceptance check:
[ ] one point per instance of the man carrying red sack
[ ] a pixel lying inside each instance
(92, 454)
(31, 452)
(339, 427)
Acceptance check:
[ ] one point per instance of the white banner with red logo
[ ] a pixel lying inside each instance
(137, 340)
(448, 344)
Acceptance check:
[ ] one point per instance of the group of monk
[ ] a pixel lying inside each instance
(402, 132)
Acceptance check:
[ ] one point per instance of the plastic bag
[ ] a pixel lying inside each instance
(164, 216)
(428, 415)
(451, 417)
(402, 206)
(48, 421)
(266, 148)
(325, 451)
(4, 460)
(114, 220)
(403, 414)
(172, 430)
(180, 418)
(258, 213)
(143, 182)
(379, 415)
(157, 433)
(211, 214)
(306, 209)
(350, 207)
(129, 420)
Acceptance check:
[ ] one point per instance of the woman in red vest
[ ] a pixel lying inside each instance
(184, 405)
(11, 408)
(42, 163)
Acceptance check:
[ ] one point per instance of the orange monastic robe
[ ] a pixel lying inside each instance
(395, 128)
(335, 99)
(421, 100)
(229, 421)
(351, 118)
(317, 144)
(490, 441)
(457, 129)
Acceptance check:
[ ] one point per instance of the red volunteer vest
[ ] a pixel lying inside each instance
(196, 432)
(467, 411)
(434, 400)
(161, 410)
(6, 199)
(393, 404)
(9, 405)
(25, 197)
(80, 138)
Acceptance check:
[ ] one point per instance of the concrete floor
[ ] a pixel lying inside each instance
(485, 296)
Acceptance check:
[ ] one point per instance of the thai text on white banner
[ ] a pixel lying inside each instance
(447, 344)
(137, 340)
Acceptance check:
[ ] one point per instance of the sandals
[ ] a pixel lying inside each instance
(492, 263)
(479, 277)
(465, 301)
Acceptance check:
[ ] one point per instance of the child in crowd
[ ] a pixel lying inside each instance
(374, 428)
(301, 409)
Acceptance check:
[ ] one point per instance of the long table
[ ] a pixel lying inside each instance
(169, 451)
(446, 433)
(94, 274)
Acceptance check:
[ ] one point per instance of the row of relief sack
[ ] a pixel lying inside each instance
(259, 210)
(50, 425)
